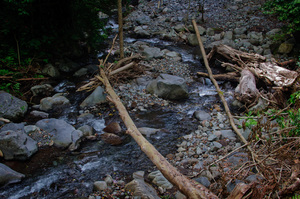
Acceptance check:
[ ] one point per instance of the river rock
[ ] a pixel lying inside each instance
(228, 35)
(54, 102)
(148, 131)
(141, 189)
(12, 108)
(173, 55)
(202, 115)
(96, 97)
(51, 71)
(203, 180)
(143, 19)
(44, 89)
(210, 32)
(86, 130)
(141, 32)
(179, 27)
(112, 139)
(9, 176)
(114, 128)
(152, 52)
(255, 38)
(62, 134)
(228, 134)
(100, 186)
(158, 179)
(168, 87)
(39, 114)
(68, 66)
(81, 72)
(17, 145)
(240, 31)
(192, 39)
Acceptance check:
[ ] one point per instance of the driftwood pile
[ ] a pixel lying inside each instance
(250, 68)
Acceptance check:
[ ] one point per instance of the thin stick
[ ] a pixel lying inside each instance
(221, 93)
(110, 49)
(122, 68)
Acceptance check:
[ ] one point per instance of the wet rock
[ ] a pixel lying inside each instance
(81, 72)
(100, 186)
(152, 52)
(17, 145)
(112, 139)
(62, 134)
(44, 89)
(51, 71)
(168, 87)
(96, 97)
(202, 115)
(141, 189)
(12, 108)
(113, 127)
(146, 131)
(158, 179)
(55, 102)
(203, 180)
(9, 176)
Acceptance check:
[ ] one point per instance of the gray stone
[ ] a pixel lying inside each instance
(237, 159)
(143, 19)
(54, 102)
(227, 133)
(210, 32)
(168, 87)
(245, 133)
(16, 145)
(152, 52)
(212, 137)
(203, 180)
(173, 55)
(51, 71)
(96, 97)
(255, 38)
(12, 108)
(44, 89)
(141, 32)
(202, 115)
(146, 131)
(86, 130)
(179, 195)
(39, 114)
(81, 72)
(141, 189)
(179, 28)
(192, 39)
(100, 186)
(68, 66)
(254, 178)
(9, 176)
(62, 134)
(138, 175)
(158, 179)
(273, 32)
(231, 185)
(240, 31)
(215, 146)
(109, 180)
(199, 166)
(228, 35)
(31, 129)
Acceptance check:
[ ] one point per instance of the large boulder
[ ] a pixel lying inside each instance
(62, 134)
(51, 71)
(44, 89)
(8, 176)
(169, 87)
(96, 97)
(152, 52)
(15, 144)
(54, 102)
(12, 108)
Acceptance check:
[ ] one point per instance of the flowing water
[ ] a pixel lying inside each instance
(52, 173)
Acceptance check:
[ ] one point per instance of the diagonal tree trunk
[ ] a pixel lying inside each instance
(184, 184)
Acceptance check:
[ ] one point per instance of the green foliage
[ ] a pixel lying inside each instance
(285, 10)
(49, 28)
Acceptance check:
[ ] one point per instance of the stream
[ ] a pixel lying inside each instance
(52, 173)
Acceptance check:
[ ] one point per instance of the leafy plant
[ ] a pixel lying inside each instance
(285, 10)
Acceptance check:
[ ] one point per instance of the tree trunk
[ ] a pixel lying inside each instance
(185, 185)
(120, 21)
(232, 76)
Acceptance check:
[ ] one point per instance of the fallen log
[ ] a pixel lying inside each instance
(185, 185)
(232, 76)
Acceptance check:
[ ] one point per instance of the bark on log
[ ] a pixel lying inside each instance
(185, 185)
(239, 191)
(246, 91)
(232, 76)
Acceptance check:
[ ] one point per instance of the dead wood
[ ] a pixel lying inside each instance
(4, 120)
(232, 76)
(122, 68)
(234, 127)
(185, 185)
(239, 191)
(246, 91)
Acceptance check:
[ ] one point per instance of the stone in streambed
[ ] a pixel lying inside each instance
(96, 97)
(9, 176)
(168, 87)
